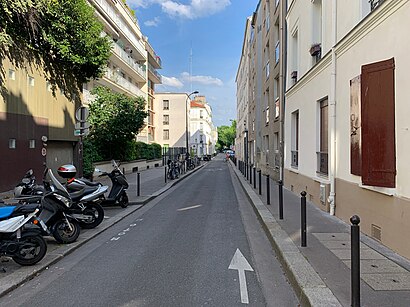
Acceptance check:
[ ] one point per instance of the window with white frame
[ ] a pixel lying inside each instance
(30, 80)
(166, 120)
(165, 104)
(12, 74)
(165, 135)
(12, 143)
(32, 144)
(322, 154)
(295, 139)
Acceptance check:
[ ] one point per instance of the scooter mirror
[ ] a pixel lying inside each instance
(97, 170)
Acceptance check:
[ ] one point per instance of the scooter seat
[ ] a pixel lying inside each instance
(6, 211)
(90, 183)
(79, 194)
(25, 209)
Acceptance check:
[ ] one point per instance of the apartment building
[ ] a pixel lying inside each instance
(30, 114)
(133, 64)
(346, 122)
(259, 85)
(172, 118)
(203, 135)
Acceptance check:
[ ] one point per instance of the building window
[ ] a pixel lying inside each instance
(294, 64)
(165, 134)
(276, 149)
(295, 140)
(166, 120)
(267, 115)
(12, 74)
(165, 104)
(201, 113)
(277, 108)
(277, 52)
(201, 126)
(32, 143)
(12, 143)
(322, 154)
(267, 69)
(48, 86)
(30, 80)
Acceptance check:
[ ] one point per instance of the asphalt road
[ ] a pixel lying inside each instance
(176, 251)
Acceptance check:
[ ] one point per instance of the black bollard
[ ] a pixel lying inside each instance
(250, 173)
(138, 184)
(280, 182)
(247, 171)
(165, 174)
(355, 260)
(254, 178)
(267, 190)
(303, 218)
(260, 182)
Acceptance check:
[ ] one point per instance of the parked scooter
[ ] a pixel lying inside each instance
(86, 197)
(118, 194)
(19, 238)
(28, 186)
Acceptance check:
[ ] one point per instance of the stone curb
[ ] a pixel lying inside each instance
(12, 281)
(308, 285)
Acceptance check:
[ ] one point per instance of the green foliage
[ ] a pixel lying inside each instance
(115, 121)
(226, 136)
(61, 36)
(145, 151)
(90, 155)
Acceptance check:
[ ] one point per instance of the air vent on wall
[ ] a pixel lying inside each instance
(377, 232)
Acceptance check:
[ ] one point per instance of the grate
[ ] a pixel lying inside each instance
(376, 232)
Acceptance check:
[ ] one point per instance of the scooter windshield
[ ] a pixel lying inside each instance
(57, 183)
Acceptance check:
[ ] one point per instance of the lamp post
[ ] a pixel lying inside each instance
(186, 119)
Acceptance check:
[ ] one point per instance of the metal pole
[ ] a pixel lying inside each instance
(138, 184)
(267, 190)
(254, 178)
(355, 260)
(260, 182)
(247, 170)
(250, 174)
(280, 199)
(165, 174)
(303, 219)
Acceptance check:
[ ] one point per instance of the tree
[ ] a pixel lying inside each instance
(115, 121)
(62, 37)
(226, 136)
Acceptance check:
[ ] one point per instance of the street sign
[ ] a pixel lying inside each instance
(81, 114)
(81, 132)
(82, 125)
(43, 152)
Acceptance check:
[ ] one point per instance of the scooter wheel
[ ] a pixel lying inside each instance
(31, 250)
(123, 201)
(62, 232)
(97, 214)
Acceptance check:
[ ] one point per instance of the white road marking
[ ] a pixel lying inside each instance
(240, 263)
(133, 225)
(188, 208)
(139, 220)
(121, 233)
(115, 239)
(125, 230)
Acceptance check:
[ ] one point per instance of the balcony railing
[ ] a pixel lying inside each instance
(375, 3)
(125, 56)
(322, 163)
(115, 17)
(154, 71)
(116, 78)
(294, 158)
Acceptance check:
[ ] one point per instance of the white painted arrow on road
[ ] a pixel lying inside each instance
(240, 263)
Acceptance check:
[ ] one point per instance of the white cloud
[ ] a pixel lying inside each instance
(207, 80)
(152, 23)
(192, 10)
(172, 81)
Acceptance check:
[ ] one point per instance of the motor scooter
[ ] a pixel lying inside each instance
(118, 194)
(20, 236)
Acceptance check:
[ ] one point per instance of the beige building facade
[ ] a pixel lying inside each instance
(347, 138)
(133, 64)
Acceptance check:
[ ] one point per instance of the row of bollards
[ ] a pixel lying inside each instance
(249, 172)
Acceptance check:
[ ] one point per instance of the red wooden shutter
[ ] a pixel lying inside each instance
(378, 124)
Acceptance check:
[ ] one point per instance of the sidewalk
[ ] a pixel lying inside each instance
(152, 185)
(320, 272)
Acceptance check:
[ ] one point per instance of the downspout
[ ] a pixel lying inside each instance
(332, 104)
(282, 86)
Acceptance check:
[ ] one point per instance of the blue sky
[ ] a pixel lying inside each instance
(214, 30)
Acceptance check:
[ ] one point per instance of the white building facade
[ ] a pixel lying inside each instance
(347, 133)
(203, 135)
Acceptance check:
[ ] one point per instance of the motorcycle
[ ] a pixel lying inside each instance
(118, 194)
(86, 196)
(85, 206)
(20, 235)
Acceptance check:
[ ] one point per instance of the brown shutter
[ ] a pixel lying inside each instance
(378, 124)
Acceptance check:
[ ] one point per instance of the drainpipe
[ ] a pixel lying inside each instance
(282, 85)
(332, 104)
